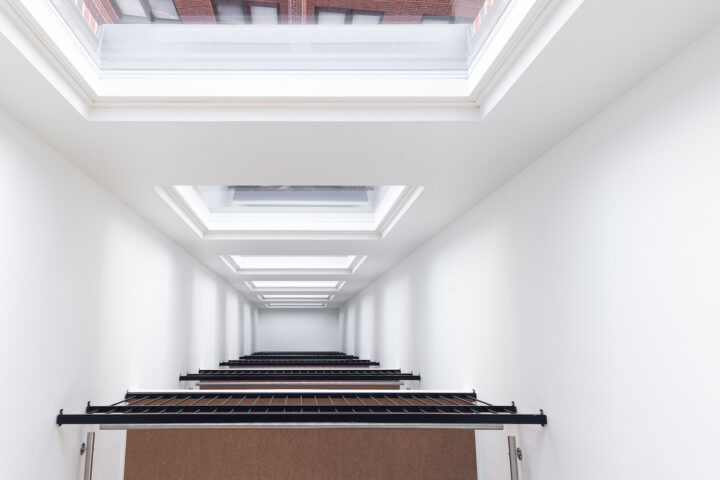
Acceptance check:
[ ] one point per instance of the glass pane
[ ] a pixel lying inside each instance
(295, 304)
(163, 9)
(263, 15)
(132, 8)
(270, 296)
(295, 284)
(326, 17)
(270, 262)
(229, 11)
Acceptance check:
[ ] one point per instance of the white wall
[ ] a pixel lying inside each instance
(93, 301)
(587, 286)
(300, 329)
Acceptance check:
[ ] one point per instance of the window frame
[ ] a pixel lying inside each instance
(149, 17)
(247, 8)
(349, 13)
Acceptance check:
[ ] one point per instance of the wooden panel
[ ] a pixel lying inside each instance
(298, 454)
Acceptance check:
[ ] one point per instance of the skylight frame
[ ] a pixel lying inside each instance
(267, 224)
(296, 305)
(436, 49)
(309, 197)
(350, 266)
(297, 286)
(339, 37)
(295, 297)
(42, 36)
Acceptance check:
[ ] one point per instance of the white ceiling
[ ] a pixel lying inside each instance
(605, 48)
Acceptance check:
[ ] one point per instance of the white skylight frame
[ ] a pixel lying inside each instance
(266, 48)
(187, 202)
(296, 305)
(295, 286)
(295, 297)
(293, 264)
(46, 40)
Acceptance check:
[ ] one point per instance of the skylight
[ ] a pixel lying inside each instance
(293, 264)
(295, 285)
(239, 12)
(300, 195)
(288, 300)
(130, 60)
(287, 212)
(316, 35)
(296, 305)
(293, 296)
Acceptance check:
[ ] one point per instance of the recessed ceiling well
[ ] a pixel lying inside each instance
(455, 134)
(293, 297)
(290, 212)
(295, 285)
(121, 57)
(293, 264)
(235, 34)
(296, 305)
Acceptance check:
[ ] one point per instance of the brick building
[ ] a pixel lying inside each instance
(98, 12)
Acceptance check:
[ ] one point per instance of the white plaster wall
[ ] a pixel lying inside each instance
(587, 286)
(93, 301)
(297, 329)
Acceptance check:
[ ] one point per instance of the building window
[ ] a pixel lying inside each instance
(229, 11)
(237, 12)
(264, 13)
(142, 11)
(329, 16)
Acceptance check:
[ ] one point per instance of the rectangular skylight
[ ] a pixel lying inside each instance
(293, 264)
(329, 284)
(293, 296)
(124, 65)
(295, 286)
(268, 262)
(214, 34)
(291, 211)
(296, 305)
(302, 196)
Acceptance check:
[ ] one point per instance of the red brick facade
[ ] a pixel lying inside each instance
(303, 11)
(195, 11)
(400, 11)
